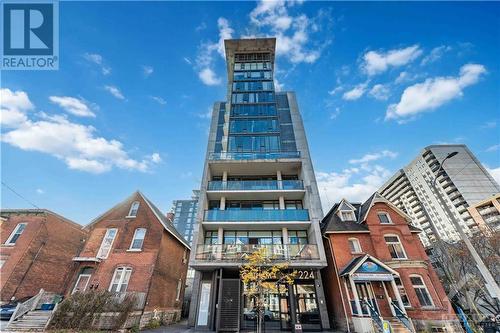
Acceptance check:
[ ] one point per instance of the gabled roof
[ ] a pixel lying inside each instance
(166, 223)
(332, 223)
(356, 262)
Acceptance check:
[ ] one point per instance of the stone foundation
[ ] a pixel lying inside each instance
(165, 317)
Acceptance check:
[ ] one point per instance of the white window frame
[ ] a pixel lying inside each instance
(398, 242)
(134, 238)
(386, 215)
(179, 288)
(352, 216)
(110, 245)
(122, 277)
(400, 287)
(78, 280)
(422, 286)
(14, 233)
(134, 208)
(357, 246)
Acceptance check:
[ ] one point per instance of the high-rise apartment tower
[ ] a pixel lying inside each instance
(258, 191)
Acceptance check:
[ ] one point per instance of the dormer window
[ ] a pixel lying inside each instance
(133, 209)
(384, 218)
(347, 215)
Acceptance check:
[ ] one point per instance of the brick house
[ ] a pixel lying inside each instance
(377, 266)
(36, 251)
(134, 248)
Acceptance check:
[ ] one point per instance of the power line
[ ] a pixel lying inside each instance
(19, 195)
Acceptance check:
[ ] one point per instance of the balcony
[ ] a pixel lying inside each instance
(255, 185)
(249, 215)
(239, 252)
(253, 156)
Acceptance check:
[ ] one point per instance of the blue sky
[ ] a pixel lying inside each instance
(129, 107)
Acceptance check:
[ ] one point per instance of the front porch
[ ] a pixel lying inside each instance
(373, 296)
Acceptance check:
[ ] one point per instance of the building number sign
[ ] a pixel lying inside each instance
(304, 275)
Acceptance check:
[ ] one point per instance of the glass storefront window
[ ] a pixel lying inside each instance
(307, 306)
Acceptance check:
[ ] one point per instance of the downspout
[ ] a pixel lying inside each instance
(338, 281)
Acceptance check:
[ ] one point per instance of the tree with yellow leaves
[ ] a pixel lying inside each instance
(262, 275)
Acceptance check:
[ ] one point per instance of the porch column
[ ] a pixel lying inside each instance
(356, 297)
(278, 177)
(398, 296)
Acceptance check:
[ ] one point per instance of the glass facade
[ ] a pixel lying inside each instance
(185, 216)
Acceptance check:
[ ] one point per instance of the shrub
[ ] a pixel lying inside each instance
(82, 311)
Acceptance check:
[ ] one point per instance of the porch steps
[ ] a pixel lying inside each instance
(398, 327)
(33, 321)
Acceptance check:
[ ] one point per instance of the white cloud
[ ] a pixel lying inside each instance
(493, 148)
(13, 107)
(435, 54)
(114, 91)
(205, 59)
(377, 62)
(336, 90)
(77, 145)
(380, 92)
(73, 105)
(147, 70)
(155, 158)
(159, 100)
(355, 92)
(205, 115)
(292, 32)
(278, 86)
(208, 77)
(495, 173)
(356, 185)
(433, 93)
(40, 191)
(335, 113)
(374, 157)
(98, 60)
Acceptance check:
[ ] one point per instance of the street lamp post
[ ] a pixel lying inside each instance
(491, 285)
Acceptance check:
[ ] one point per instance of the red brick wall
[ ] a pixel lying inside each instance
(374, 244)
(156, 268)
(42, 256)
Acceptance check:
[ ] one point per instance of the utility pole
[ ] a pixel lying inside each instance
(490, 283)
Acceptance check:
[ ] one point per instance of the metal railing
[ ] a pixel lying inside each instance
(239, 252)
(23, 308)
(253, 156)
(402, 317)
(246, 215)
(255, 185)
(376, 318)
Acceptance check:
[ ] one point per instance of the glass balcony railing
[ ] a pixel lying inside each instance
(255, 185)
(244, 215)
(239, 252)
(253, 156)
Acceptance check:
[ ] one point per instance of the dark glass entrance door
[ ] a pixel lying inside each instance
(307, 305)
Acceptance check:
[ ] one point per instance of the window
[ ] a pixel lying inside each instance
(347, 215)
(107, 243)
(179, 288)
(297, 237)
(120, 279)
(384, 218)
(402, 292)
(83, 280)
(354, 245)
(395, 247)
(14, 236)
(138, 239)
(421, 290)
(133, 209)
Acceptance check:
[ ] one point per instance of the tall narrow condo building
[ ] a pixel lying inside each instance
(258, 191)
